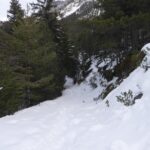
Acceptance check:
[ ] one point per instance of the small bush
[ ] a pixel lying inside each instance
(128, 99)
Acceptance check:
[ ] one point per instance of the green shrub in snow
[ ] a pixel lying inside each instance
(128, 99)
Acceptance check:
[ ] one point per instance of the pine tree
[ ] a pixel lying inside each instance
(45, 11)
(30, 72)
(37, 62)
(15, 13)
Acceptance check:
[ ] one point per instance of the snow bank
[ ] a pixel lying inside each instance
(137, 82)
(146, 60)
(146, 49)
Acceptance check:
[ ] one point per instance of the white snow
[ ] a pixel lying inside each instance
(146, 60)
(68, 82)
(75, 122)
(72, 7)
(146, 49)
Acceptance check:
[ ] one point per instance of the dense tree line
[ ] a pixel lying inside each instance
(123, 25)
(36, 55)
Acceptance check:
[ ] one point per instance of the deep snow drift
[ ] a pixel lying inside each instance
(76, 122)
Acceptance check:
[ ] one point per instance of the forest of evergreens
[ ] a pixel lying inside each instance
(37, 51)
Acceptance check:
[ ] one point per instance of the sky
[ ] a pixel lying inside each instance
(4, 6)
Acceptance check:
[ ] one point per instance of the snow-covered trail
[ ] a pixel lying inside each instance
(76, 122)
(50, 125)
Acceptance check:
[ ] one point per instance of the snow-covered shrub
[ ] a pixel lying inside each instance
(93, 82)
(146, 61)
(128, 98)
(84, 67)
(107, 90)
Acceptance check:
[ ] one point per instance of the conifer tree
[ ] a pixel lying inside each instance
(45, 10)
(15, 13)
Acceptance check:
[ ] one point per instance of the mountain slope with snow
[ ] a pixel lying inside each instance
(76, 122)
(78, 8)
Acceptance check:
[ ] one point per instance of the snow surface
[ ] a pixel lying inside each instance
(75, 122)
(72, 7)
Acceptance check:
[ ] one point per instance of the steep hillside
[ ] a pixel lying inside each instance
(77, 8)
(76, 122)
